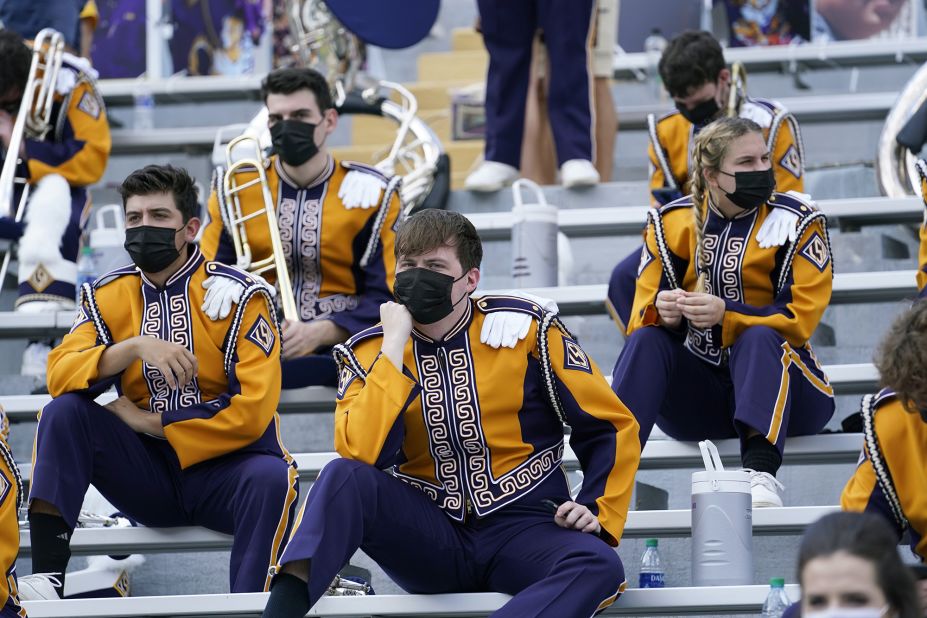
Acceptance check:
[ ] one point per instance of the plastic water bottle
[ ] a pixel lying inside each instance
(86, 269)
(651, 574)
(776, 601)
(143, 113)
(654, 45)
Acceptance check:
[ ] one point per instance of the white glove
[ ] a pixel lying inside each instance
(780, 226)
(507, 328)
(221, 293)
(360, 190)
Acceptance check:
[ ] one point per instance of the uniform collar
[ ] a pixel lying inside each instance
(322, 179)
(455, 330)
(712, 209)
(184, 272)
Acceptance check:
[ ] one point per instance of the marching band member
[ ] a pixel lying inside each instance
(58, 167)
(11, 497)
(475, 499)
(337, 223)
(734, 358)
(922, 253)
(694, 73)
(196, 426)
(891, 479)
(508, 30)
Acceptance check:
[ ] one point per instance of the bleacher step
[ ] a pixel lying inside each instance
(782, 521)
(717, 600)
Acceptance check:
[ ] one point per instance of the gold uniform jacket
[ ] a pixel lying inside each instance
(922, 254)
(231, 405)
(786, 288)
(672, 140)
(891, 478)
(78, 144)
(11, 498)
(340, 259)
(478, 428)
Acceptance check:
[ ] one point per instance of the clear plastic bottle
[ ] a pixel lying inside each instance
(654, 45)
(651, 573)
(86, 268)
(143, 112)
(776, 601)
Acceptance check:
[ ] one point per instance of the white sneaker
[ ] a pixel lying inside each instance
(491, 176)
(764, 488)
(38, 587)
(578, 173)
(35, 359)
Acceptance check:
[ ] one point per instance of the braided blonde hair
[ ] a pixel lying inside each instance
(711, 145)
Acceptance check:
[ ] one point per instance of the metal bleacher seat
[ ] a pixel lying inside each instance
(715, 600)
(573, 300)
(786, 520)
(849, 379)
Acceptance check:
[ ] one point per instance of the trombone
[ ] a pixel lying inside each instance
(34, 116)
(738, 89)
(236, 220)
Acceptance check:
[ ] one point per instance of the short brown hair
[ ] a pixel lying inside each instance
(431, 228)
(902, 358)
(163, 179)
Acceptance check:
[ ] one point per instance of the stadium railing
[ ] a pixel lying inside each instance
(716, 600)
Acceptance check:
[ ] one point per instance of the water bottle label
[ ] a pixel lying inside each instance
(651, 580)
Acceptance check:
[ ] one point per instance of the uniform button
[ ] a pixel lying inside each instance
(804, 208)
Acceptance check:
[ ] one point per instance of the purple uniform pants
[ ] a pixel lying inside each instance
(518, 550)
(622, 285)
(248, 495)
(509, 27)
(766, 385)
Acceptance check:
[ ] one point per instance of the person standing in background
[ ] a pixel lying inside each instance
(509, 28)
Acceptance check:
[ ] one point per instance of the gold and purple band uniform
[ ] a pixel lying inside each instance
(340, 259)
(11, 497)
(472, 438)
(669, 153)
(77, 148)
(922, 253)
(222, 463)
(754, 370)
(891, 478)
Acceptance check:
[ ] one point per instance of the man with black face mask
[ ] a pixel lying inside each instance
(194, 437)
(337, 222)
(694, 73)
(472, 436)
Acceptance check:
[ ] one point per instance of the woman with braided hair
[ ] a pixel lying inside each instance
(720, 329)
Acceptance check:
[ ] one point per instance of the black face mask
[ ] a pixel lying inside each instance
(151, 247)
(426, 294)
(701, 114)
(751, 188)
(294, 141)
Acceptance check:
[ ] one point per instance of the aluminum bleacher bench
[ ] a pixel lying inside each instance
(861, 287)
(787, 520)
(668, 454)
(867, 287)
(578, 222)
(716, 600)
(850, 379)
(834, 448)
(807, 109)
